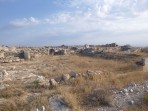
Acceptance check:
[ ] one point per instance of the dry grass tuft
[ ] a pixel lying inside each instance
(11, 92)
(69, 97)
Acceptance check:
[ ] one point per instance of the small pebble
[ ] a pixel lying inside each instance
(131, 102)
(125, 90)
(131, 90)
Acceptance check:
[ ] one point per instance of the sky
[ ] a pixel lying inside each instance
(73, 22)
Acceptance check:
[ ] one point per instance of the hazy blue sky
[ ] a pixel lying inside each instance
(57, 22)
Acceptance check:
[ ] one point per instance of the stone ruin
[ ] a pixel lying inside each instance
(111, 45)
(109, 51)
(145, 67)
(143, 63)
(86, 46)
(57, 51)
(25, 55)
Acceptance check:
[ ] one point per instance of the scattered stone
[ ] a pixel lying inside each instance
(73, 74)
(126, 94)
(58, 79)
(125, 91)
(111, 45)
(53, 82)
(125, 47)
(41, 108)
(86, 46)
(131, 102)
(131, 90)
(121, 91)
(65, 77)
(4, 73)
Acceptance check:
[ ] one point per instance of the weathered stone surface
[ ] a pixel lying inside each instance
(12, 49)
(4, 72)
(86, 46)
(51, 51)
(73, 74)
(41, 108)
(27, 55)
(65, 77)
(87, 52)
(126, 47)
(53, 82)
(2, 55)
(61, 52)
(145, 67)
(111, 45)
(57, 104)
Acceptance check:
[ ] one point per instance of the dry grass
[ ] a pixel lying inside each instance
(18, 104)
(38, 102)
(13, 104)
(77, 93)
(11, 92)
(35, 87)
(69, 97)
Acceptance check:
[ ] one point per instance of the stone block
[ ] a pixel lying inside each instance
(145, 67)
(27, 55)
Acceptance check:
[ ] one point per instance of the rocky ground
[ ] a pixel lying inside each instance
(79, 81)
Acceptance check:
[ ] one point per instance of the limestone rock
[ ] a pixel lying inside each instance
(125, 91)
(27, 55)
(145, 67)
(65, 77)
(73, 74)
(2, 55)
(41, 108)
(53, 82)
(131, 102)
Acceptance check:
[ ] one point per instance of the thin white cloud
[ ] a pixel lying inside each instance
(24, 22)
